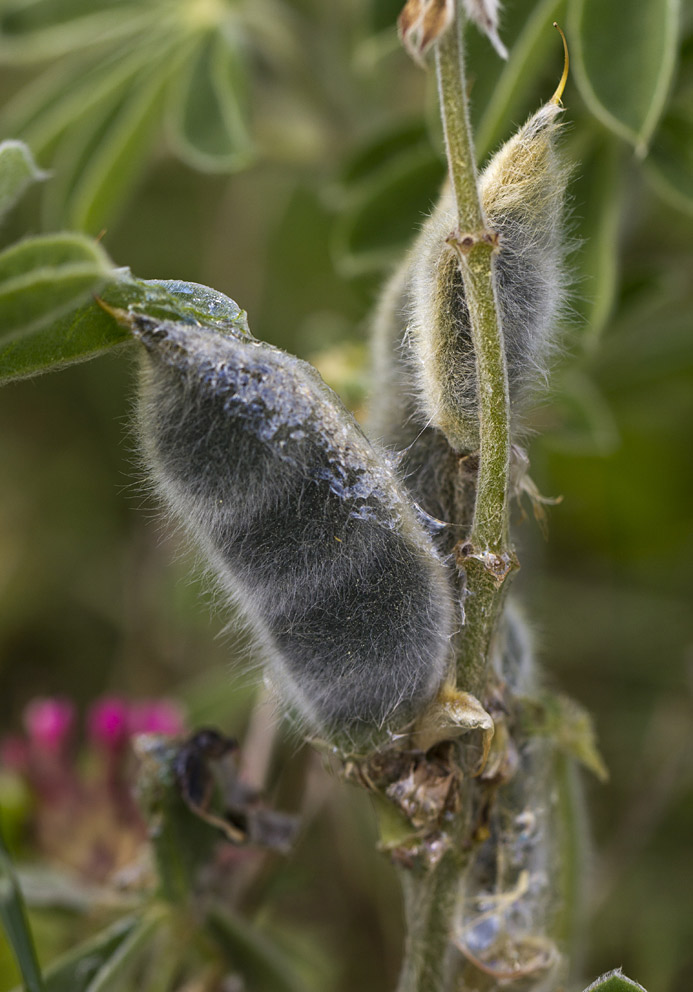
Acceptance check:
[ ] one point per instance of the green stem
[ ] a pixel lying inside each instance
(430, 900)
(457, 128)
(486, 556)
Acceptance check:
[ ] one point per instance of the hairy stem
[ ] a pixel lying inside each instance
(430, 899)
(432, 896)
(486, 556)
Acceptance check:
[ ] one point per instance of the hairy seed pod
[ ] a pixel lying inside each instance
(429, 467)
(303, 522)
(522, 193)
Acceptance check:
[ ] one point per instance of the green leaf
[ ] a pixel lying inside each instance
(207, 110)
(66, 93)
(586, 423)
(113, 975)
(264, 966)
(528, 56)
(669, 166)
(569, 726)
(122, 144)
(381, 211)
(89, 330)
(73, 972)
(599, 197)
(20, 47)
(614, 981)
(42, 278)
(17, 171)
(624, 64)
(379, 153)
(15, 923)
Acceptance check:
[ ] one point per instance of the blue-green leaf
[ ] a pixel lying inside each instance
(16, 926)
(614, 981)
(44, 277)
(17, 171)
(624, 62)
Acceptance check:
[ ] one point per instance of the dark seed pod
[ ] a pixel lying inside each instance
(303, 522)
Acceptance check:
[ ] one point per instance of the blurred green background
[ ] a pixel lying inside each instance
(291, 176)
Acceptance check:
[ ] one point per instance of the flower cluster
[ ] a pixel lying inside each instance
(73, 802)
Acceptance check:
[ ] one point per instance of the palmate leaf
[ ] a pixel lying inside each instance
(119, 66)
(208, 108)
(624, 64)
(124, 140)
(71, 89)
(22, 43)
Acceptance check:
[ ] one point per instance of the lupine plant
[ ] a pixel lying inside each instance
(371, 565)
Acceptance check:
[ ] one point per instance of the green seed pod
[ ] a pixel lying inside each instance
(303, 521)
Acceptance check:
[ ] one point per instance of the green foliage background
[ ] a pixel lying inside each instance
(284, 153)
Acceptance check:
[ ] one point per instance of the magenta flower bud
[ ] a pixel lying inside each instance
(49, 722)
(156, 716)
(108, 722)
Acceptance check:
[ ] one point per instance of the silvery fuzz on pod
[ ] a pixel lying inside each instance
(423, 352)
(303, 521)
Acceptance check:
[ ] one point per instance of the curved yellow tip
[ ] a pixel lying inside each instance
(556, 98)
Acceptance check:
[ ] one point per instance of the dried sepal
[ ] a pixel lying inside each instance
(484, 13)
(423, 22)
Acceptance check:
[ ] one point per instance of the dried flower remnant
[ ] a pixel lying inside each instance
(423, 22)
(484, 13)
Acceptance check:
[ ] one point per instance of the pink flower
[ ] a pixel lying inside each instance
(108, 722)
(48, 723)
(156, 716)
